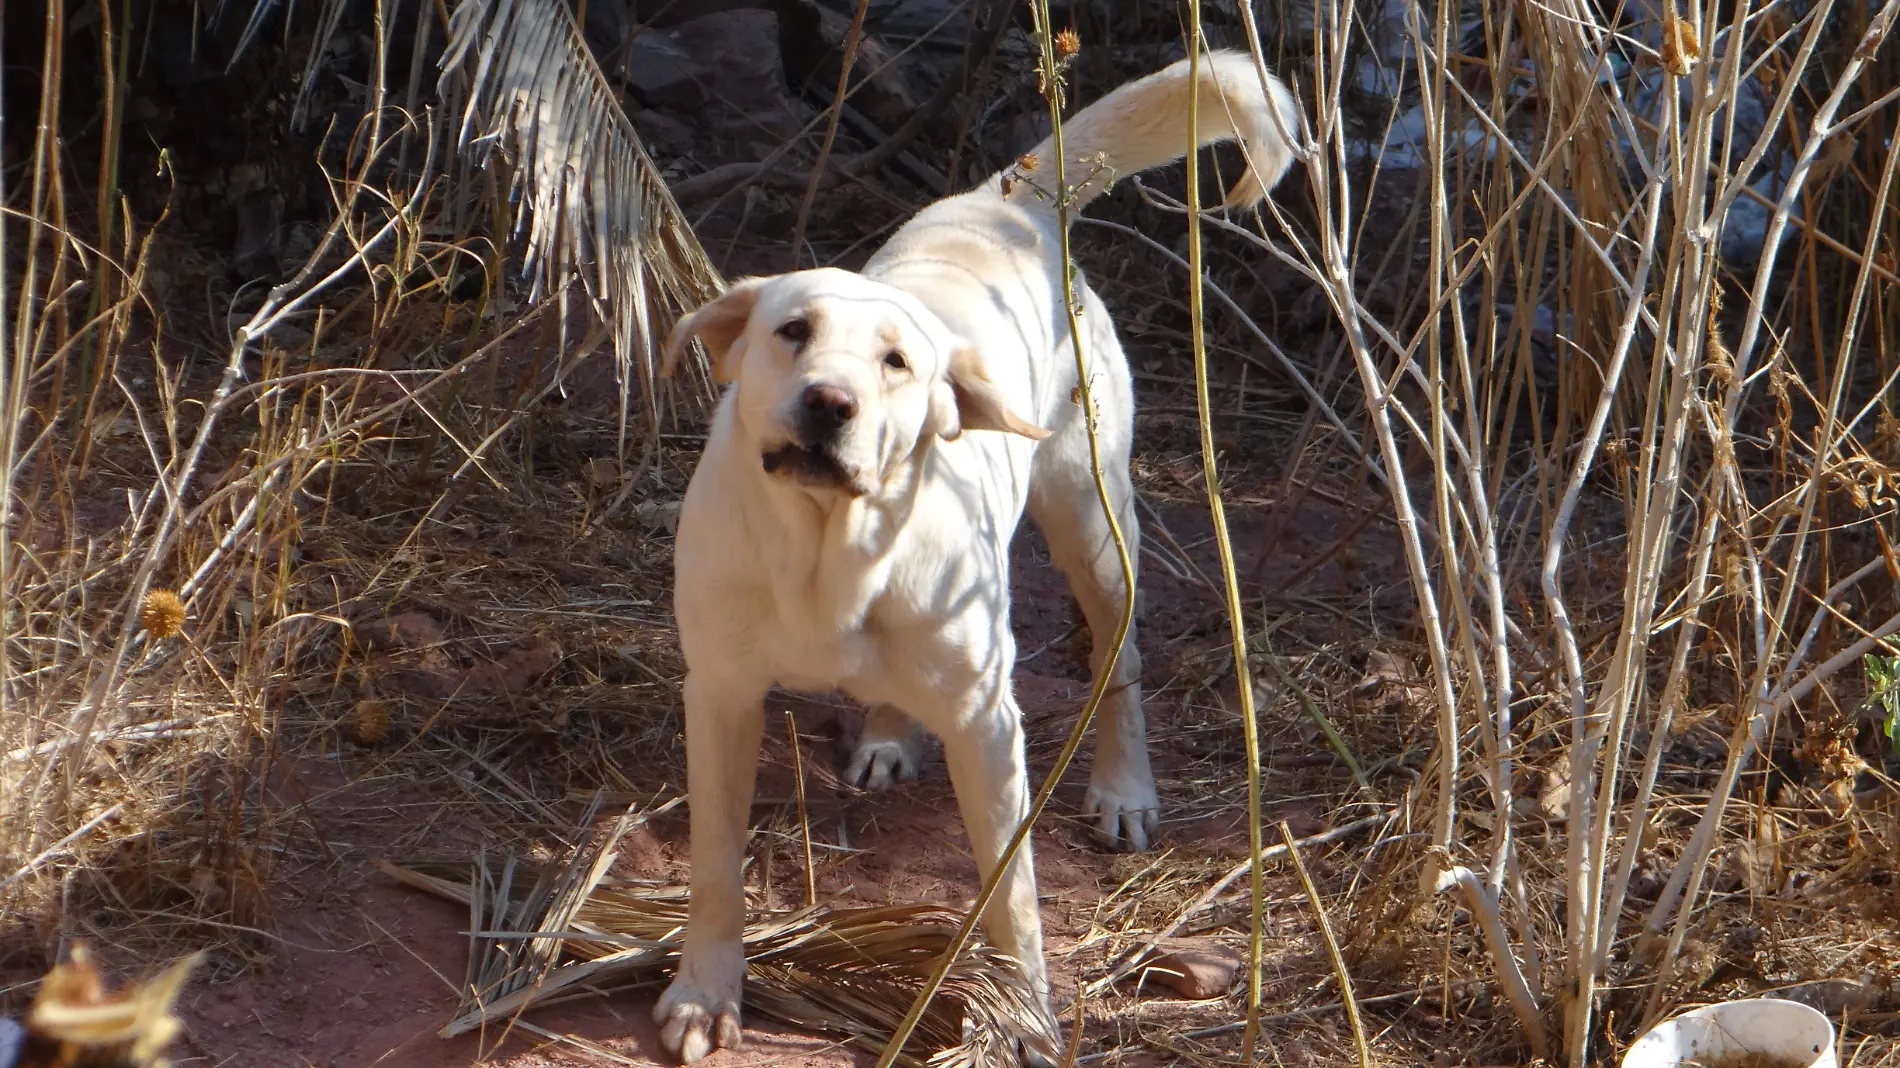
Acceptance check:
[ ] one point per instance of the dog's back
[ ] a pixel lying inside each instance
(988, 261)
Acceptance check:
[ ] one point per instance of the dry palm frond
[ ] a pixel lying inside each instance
(74, 1022)
(848, 972)
(594, 203)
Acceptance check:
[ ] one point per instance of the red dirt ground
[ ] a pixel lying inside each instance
(363, 971)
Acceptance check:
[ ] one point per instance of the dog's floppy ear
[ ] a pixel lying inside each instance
(968, 399)
(718, 324)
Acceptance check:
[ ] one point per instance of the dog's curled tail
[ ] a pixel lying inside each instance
(1144, 124)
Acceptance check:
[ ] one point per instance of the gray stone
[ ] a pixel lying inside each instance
(1835, 996)
(724, 70)
(731, 56)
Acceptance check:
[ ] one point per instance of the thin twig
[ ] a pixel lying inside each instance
(804, 820)
(1230, 579)
(831, 130)
(1332, 948)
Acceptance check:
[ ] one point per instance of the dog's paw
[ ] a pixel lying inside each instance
(879, 764)
(697, 1015)
(1125, 814)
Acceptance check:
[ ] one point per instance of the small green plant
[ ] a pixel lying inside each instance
(1883, 690)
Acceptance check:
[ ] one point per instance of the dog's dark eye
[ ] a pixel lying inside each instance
(895, 361)
(796, 331)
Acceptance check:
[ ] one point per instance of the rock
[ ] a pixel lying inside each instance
(661, 516)
(260, 241)
(1834, 996)
(406, 630)
(814, 40)
(943, 23)
(12, 1041)
(1197, 969)
(661, 70)
(724, 69)
(1553, 804)
(660, 131)
(610, 25)
(1025, 131)
(518, 668)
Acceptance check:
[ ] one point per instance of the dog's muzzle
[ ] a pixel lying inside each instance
(810, 467)
(823, 412)
(811, 458)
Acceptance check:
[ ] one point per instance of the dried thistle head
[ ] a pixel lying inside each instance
(1680, 46)
(1886, 431)
(163, 614)
(1778, 383)
(1721, 363)
(1616, 454)
(1067, 45)
(1028, 162)
(369, 722)
(1734, 572)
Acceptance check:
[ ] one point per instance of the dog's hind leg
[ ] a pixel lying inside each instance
(1067, 509)
(888, 750)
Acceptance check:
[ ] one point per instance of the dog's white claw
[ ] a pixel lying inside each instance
(694, 1022)
(1126, 816)
(881, 764)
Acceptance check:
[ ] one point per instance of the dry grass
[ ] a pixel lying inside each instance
(183, 595)
(545, 935)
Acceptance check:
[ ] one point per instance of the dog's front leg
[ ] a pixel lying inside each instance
(985, 754)
(724, 718)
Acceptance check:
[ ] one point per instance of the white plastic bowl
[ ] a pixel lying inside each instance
(1787, 1031)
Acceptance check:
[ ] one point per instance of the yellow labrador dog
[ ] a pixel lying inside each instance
(848, 525)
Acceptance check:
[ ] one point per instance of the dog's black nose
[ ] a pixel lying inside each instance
(828, 408)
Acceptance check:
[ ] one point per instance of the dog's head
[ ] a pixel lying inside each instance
(840, 377)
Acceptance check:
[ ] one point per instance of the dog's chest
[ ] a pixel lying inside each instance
(874, 646)
(809, 655)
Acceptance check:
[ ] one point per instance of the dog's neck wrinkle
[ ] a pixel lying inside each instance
(843, 575)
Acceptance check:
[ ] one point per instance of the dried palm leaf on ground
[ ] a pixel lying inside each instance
(75, 1023)
(539, 931)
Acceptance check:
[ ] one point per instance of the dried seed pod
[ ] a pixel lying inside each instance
(163, 614)
(1067, 44)
(1680, 46)
(369, 722)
